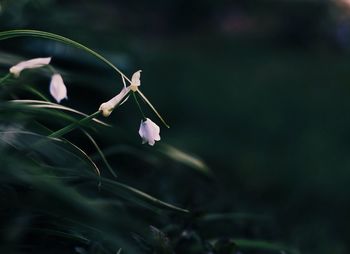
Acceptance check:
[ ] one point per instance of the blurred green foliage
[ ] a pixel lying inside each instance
(258, 89)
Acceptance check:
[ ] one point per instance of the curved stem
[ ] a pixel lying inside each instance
(46, 35)
(138, 105)
(72, 126)
(6, 77)
(152, 107)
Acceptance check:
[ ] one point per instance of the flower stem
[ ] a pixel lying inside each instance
(138, 105)
(152, 107)
(51, 36)
(72, 126)
(6, 77)
(52, 69)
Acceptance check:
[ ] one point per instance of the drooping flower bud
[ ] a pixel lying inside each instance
(149, 132)
(58, 89)
(29, 64)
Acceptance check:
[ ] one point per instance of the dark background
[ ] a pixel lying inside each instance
(258, 89)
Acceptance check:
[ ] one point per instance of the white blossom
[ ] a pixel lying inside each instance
(29, 64)
(135, 81)
(149, 132)
(107, 107)
(58, 89)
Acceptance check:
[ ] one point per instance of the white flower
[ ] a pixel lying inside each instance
(58, 89)
(30, 64)
(107, 107)
(149, 132)
(135, 81)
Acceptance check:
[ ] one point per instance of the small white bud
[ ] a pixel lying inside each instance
(58, 89)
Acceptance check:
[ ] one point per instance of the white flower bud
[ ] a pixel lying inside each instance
(30, 64)
(107, 107)
(58, 89)
(149, 132)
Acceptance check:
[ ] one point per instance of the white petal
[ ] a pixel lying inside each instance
(30, 64)
(58, 89)
(149, 132)
(107, 107)
(135, 80)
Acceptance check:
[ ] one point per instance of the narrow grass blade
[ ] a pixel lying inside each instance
(36, 92)
(263, 245)
(103, 157)
(138, 196)
(81, 151)
(5, 78)
(47, 104)
(184, 158)
(73, 126)
(42, 34)
(216, 217)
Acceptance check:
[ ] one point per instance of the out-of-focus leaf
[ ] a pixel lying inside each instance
(43, 148)
(264, 245)
(225, 246)
(103, 157)
(36, 92)
(50, 105)
(84, 155)
(138, 196)
(62, 234)
(160, 241)
(214, 217)
(184, 158)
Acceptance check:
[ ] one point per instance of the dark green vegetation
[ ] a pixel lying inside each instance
(266, 107)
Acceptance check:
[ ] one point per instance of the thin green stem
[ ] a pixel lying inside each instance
(138, 105)
(72, 126)
(36, 92)
(52, 69)
(6, 77)
(103, 157)
(152, 107)
(41, 34)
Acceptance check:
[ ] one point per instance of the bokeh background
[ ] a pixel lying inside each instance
(257, 89)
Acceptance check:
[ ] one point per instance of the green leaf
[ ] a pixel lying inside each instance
(50, 105)
(103, 157)
(225, 246)
(263, 245)
(138, 196)
(184, 158)
(215, 217)
(73, 126)
(46, 35)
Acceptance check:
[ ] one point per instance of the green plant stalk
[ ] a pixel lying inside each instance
(72, 126)
(138, 105)
(37, 93)
(152, 107)
(6, 77)
(46, 35)
(103, 157)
